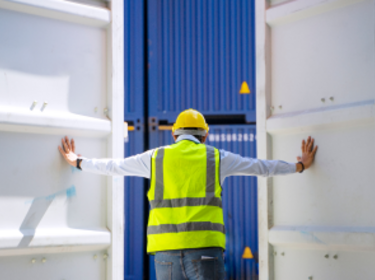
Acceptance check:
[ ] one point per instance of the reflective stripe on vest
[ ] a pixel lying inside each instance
(195, 226)
(185, 198)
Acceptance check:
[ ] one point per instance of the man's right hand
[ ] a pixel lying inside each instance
(308, 153)
(68, 151)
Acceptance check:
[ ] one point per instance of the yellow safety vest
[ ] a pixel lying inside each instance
(185, 198)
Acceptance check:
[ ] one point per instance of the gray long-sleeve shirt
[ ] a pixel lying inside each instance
(231, 165)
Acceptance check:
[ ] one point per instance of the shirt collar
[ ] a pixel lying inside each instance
(187, 137)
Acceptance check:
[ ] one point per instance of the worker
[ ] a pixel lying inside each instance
(186, 227)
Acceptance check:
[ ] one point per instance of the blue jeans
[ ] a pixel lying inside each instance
(190, 264)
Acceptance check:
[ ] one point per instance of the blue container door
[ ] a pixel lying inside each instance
(134, 61)
(239, 201)
(134, 204)
(157, 138)
(200, 53)
(239, 198)
(134, 200)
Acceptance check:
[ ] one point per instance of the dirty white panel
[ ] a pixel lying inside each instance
(41, 181)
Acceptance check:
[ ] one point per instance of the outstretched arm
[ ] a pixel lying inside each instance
(236, 165)
(138, 165)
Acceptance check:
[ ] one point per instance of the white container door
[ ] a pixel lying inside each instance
(316, 76)
(57, 78)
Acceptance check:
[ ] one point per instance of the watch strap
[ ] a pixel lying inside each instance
(303, 167)
(78, 163)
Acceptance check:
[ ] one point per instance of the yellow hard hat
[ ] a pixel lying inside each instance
(190, 118)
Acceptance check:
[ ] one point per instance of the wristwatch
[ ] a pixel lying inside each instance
(78, 163)
(303, 167)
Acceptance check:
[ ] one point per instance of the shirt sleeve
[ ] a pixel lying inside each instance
(138, 165)
(236, 165)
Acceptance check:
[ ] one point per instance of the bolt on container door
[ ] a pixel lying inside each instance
(239, 198)
(201, 55)
(58, 222)
(316, 77)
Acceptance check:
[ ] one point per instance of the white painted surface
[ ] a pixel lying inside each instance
(115, 147)
(348, 265)
(79, 265)
(316, 69)
(61, 10)
(57, 78)
(300, 9)
(98, 3)
(277, 2)
(335, 58)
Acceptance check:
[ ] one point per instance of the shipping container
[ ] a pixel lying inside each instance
(315, 76)
(201, 55)
(61, 73)
(135, 211)
(239, 198)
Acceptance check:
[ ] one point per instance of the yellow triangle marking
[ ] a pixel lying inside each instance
(247, 253)
(244, 88)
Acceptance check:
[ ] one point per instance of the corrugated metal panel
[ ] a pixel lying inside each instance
(239, 197)
(134, 200)
(134, 61)
(152, 274)
(239, 201)
(199, 54)
(134, 213)
(157, 138)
